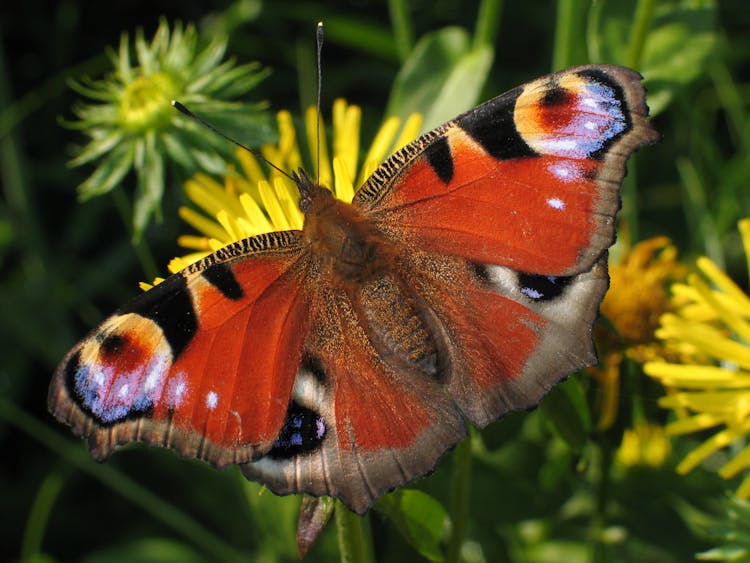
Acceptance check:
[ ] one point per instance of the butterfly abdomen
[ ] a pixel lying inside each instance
(396, 325)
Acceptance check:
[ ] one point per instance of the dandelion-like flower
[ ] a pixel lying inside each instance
(709, 390)
(636, 298)
(132, 125)
(252, 202)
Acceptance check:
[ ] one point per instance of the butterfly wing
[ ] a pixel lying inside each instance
(516, 201)
(361, 423)
(529, 180)
(200, 363)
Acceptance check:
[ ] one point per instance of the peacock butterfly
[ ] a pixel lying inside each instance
(344, 359)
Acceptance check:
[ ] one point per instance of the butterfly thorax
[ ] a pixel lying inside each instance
(342, 240)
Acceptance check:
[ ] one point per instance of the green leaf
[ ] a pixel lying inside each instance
(98, 146)
(179, 152)
(122, 63)
(275, 520)
(566, 409)
(109, 173)
(148, 550)
(442, 77)
(727, 552)
(209, 57)
(677, 49)
(150, 188)
(419, 518)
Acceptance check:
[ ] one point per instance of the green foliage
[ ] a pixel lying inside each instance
(539, 486)
(727, 526)
(566, 409)
(672, 48)
(419, 518)
(442, 77)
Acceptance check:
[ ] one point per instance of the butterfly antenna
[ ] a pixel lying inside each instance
(319, 36)
(255, 152)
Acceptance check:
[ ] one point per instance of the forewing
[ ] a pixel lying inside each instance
(529, 180)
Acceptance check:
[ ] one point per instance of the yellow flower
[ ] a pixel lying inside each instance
(252, 202)
(644, 444)
(709, 390)
(636, 298)
(637, 294)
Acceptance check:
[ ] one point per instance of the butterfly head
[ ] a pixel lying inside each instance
(310, 192)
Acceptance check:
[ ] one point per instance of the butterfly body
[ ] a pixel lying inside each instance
(344, 359)
(340, 238)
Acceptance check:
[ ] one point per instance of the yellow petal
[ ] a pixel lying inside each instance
(710, 446)
(227, 221)
(193, 242)
(692, 424)
(736, 464)
(273, 207)
(743, 491)
(697, 376)
(200, 222)
(250, 166)
(254, 215)
(744, 226)
(343, 180)
(321, 161)
(409, 131)
(380, 147)
(346, 125)
(724, 283)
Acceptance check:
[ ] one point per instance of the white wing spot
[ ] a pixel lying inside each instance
(212, 399)
(556, 203)
(590, 125)
(552, 146)
(590, 102)
(123, 392)
(152, 380)
(561, 172)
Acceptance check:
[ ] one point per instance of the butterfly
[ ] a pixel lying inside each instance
(344, 359)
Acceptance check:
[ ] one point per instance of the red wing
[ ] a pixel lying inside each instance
(528, 180)
(505, 339)
(359, 424)
(201, 363)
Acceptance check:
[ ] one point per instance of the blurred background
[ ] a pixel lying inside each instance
(534, 495)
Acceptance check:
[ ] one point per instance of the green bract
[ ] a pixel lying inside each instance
(132, 126)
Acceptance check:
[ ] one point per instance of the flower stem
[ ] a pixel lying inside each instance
(644, 15)
(460, 486)
(353, 532)
(561, 54)
(629, 196)
(403, 33)
(39, 513)
(602, 486)
(488, 22)
(142, 251)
